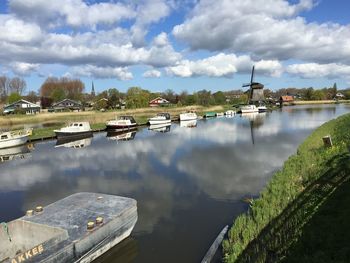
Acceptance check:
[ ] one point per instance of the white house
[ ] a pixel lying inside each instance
(22, 106)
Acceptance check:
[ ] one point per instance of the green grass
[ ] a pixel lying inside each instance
(299, 172)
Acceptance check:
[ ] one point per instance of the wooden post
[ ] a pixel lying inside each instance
(327, 141)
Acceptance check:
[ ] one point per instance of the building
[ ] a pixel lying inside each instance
(22, 106)
(67, 105)
(339, 96)
(286, 99)
(158, 102)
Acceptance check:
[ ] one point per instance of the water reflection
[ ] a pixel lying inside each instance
(182, 181)
(189, 124)
(14, 153)
(160, 127)
(75, 143)
(121, 135)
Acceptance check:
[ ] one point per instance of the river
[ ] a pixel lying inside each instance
(189, 182)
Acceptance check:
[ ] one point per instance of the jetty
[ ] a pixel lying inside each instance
(78, 228)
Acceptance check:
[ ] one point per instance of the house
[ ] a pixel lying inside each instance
(67, 104)
(22, 106)
(339, 96)
(158, 102)
(286, 99)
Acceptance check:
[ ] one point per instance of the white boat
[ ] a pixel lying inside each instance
(188, 124)
(219, 114)
(188, 116)
(262, 108)
(74, 129)
(160, 127)
(123, 122)
(230, 113)
(14, 138)
(161, 118)
(248, 109)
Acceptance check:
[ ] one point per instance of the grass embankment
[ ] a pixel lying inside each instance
(308, 102)
(275, 220)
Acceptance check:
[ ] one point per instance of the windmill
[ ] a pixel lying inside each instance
(256, 92)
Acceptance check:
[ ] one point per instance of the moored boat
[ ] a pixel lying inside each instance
(262, 108)
(248, 109)
(188, 116)
(78, 228)
(74, 129)
(14, 138)
(230, 113)
(219, 114)
(161, 118)
(209, 114)
(123, 122)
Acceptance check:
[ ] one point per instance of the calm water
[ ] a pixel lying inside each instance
(189, 182)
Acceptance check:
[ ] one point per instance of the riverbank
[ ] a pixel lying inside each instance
(311, 102)
(275, 220)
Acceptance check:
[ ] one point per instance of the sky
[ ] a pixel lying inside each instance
(177, 44)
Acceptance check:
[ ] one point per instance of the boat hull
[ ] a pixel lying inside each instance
(67, 135)
(121, 127)
(155, 122)
(14, 142)
(188, 117)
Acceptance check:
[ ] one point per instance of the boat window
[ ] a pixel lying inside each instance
(76, 124)
(3, 137)
(80, 124)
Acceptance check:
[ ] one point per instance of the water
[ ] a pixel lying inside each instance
(189, 182)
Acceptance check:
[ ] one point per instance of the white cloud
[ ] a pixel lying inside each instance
(23, 69)
(266, 29)
(75, 13)
(223, 65)
(120, 73)
(152, 74)
(314, 70)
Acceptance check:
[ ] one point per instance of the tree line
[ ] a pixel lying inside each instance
(55, 89)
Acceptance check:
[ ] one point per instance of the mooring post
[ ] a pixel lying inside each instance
(327, 141)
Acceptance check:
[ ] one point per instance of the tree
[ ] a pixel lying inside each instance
(113, 98)
(204, 97)
(32, 97)
(3, 87)
(17, 85)
(14, 97)
(58, 94)
(137, 97)
(219, 98)
(170, 96)
(72, 88)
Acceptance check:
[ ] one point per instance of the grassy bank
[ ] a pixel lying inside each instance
(311, 102)
(141, 115)
(292, 196)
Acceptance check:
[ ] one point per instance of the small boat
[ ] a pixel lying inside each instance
(262, 108)
(219, 114)
(188, 124)
(74, 129)
(123, 122)
(78, 228)
(230, 113)
(160, 127)
(210, 114)
(161, 118)
(188, 116)
(14, 138)
(248, 109)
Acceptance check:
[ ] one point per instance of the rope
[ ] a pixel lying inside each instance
(6, 229)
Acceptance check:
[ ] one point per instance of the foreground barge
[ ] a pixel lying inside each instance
(78, 228)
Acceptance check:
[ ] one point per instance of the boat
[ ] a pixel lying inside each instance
(74, 129)
(188, 124)
(160, 127)
(262, 108)
(161, 118)
(14, 138)
(15, 153)
(78, 228)
(75, 143)
(123, 122)
(209, 114)
(230, 113)
(122, 135)
(188, 116)
(248, 109)
(219, 114)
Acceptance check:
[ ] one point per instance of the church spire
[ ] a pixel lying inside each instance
(93, 89)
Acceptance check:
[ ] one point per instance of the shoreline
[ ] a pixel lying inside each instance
(274, 220)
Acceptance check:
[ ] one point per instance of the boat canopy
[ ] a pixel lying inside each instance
(130, 118)
(165, 114)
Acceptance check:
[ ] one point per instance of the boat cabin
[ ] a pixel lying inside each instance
(127, 118)
(164, 114)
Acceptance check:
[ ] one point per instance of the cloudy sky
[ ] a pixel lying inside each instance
(177, 44)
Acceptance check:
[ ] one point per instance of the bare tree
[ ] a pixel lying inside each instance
(17, 85)
(3, 87)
